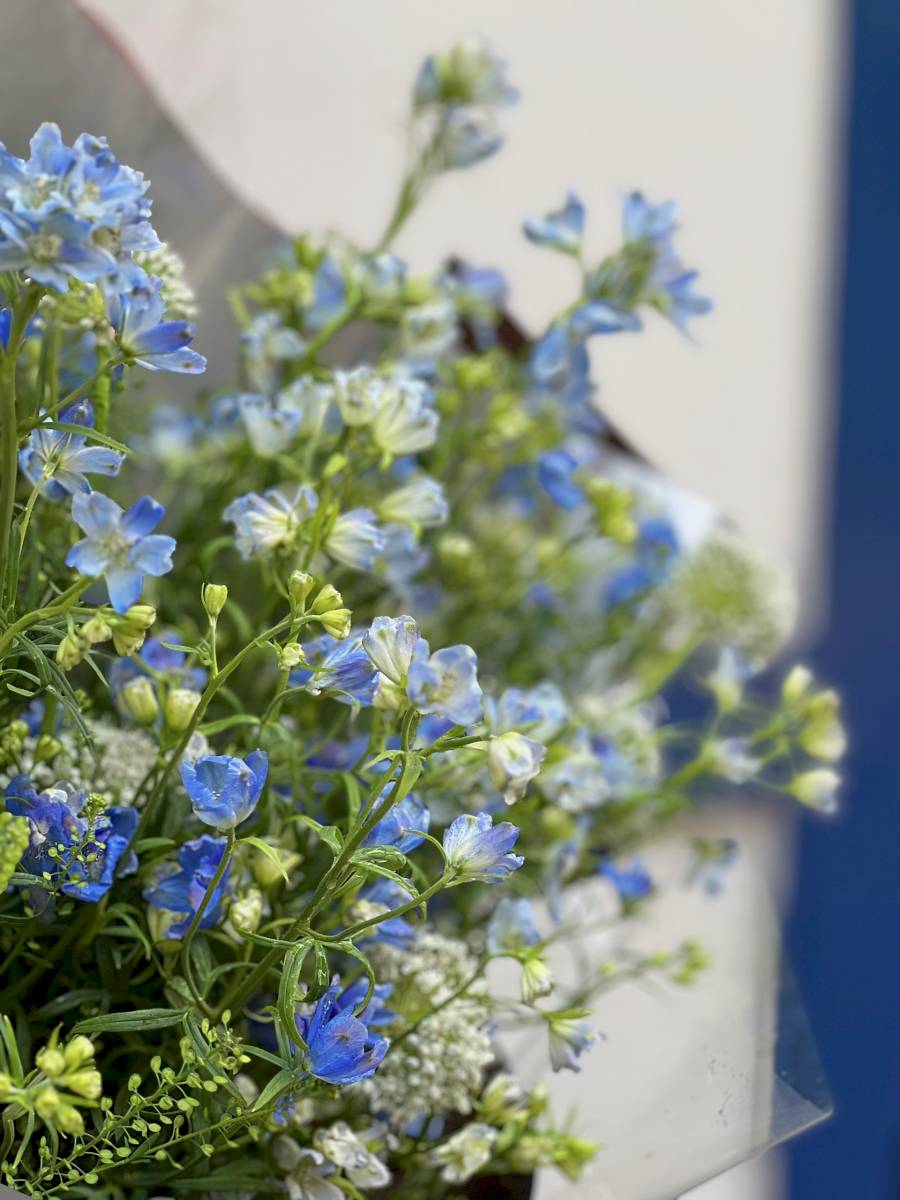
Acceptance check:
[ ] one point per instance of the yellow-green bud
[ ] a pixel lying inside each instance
(51, 1061)
(300, 585)
(328, 608)
(159, 921)
(139, 699)
(141, 616)
(86, 1083)
(537, 978)
(15, 834)
(823, 735)
(291, 655)
(78, 1051)
(214, 597)
(68, 1119)
(179, 707)
(97, 629)
(817, 788)
(47, 1103)
(46, 748)
(796, 685)
(337, 623)
(245, 912)
(264, 871)
(70, 651)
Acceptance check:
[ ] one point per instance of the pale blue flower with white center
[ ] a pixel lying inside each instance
(569, 1037)
(119, 545)
(430, 330)
(445, 683)
(512, 926)
(578, 781)
(51, 250)
(264, 523)
(560, 230)
(675, 296)
(265, 344)
(143, 335)
(405, 421)
(476, 848)
(390, 643)
(513, 761)
(421, 503)
(271, 424)
(355, 539)
(224, 790)
(468, 137)
(359, 395)
(469, 73)
(310, 400)
(60, 461)
(540, 711)
(644, 221)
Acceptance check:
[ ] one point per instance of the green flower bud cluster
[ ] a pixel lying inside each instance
(127, 631)
(613, 509)
(12, 741)
(327, 608)
(65, 1080)
(15, 833)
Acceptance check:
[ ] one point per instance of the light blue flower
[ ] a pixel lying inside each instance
(556, 475)
(469, 73)
(570, 1036)
(263, 523)
(632, 881)
(143, 335)
(355, 539)
(119, 545)
(271, 424)
(513, 761)
(596, 316)
(329, 295)
(675, 296)
(561, 230)
(421, 503)
(182, 890)
(478, 849)
(382, 276)
(401, 558)
(51, 250)
(644, 221)
(403, 826)
(340, 1048)
(669, 285)
(445, 683)
(390, 643)
(512, 926)
(655, 552)
(224, 791)
(731, 758)
(405, 421)
(468, 137)
(540, 711)
(578, 781)
(61, 461)
(265, 344)
(341, 669)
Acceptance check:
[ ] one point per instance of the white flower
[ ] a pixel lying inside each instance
(341, 1145)
(420, 503)
(390, 643)
(466, 1152)
(513, 761)
(306, 1172)
(406, 421)
(358, 394)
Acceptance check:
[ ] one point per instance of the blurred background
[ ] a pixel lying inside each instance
(775, 127)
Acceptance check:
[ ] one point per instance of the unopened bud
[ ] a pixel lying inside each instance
(138, 698)
(51, 1061)
(328, 608)
(141, 616)
(86, 1083)
(537, 978)
(47, 1103)
(78, 1051)
(70, 651)
(214, 597)
(291, 655)
(179, 708)
(97, 629)
(246, 910)
(796, 685)
(300, 585)
(68, 1119)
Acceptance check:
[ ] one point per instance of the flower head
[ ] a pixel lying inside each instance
(60, 461)
(446, 682)
(478, 849)
(340, 668)
(224, 791)
(560, 230)
(182, 890)
(632, 881)
(341, 1146)
(356, 539)
(403, 826)
(119, 545)
(143, 334)
(513, 761)
(405, 421)
(263, 523)
(340, 1049)
(390, 643)
(266, 343)
(469, 73)
(420, 503)
(465, 1152)
(570, 1036)
(512, 926)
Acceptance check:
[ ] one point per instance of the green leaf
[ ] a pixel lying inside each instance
(329, 834)
(69, 1000)
(280, 1083)
(93, 435)
(269, 851)
(131, 1022)
(287, 990)
(223, 723)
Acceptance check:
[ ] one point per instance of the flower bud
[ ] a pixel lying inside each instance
(138, 697)
(51, 1061)
(214, 596)
(291, 655)
(97, 629)
(70, 651)
(68, 1119)
(159, 921)
(264, 871)
(86, 1083)
(796, 685)
(78, 1051)
(817, 788)
(46, 748)
(823, 735)
(537, 978)
(328, 608)
(141, 616)
(300, 585)
(337, 623)
(245, 912)
(179, 707)
(47, 1103)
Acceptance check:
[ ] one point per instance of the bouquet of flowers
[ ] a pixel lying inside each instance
(288, 759)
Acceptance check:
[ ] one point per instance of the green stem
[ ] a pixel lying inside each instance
(62, 604)
(198, 917)
(70, 397)
(400, 911)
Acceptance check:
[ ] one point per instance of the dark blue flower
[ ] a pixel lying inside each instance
(119, 545)
(224, 791)
(403, 826)
(89, 854)
(656, 549)
(340, 1048)
(144, 335)
(60, 462)
(184, 889)
(5, 326)
(632, 880)
(342, 669)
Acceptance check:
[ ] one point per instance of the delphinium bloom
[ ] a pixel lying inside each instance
(656, 550)
(631, 880)
(340, 668)
(182, 891)
(224, 791)
(577, 781)
(263, 523)
(403, 826)
(340, 1048)
(561, 230)
(265, 344)
(60, 460)
(513, 761)
(512, 926)
(446, 682)
(570, 1036)
(143, 335)
(478, 849)
(466, 1152)
(420, 503)
(88, 851)
(355, 539)
(341, 1146)
(376, 1011)
(120, 545)
(375, 900)
(390, 643)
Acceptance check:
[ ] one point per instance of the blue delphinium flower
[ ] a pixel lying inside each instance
(478, 849)
(513, 761)
(511, 926)
(561, 230)
(265, 344)
(390, 643)
(405, 421)
(468, 73)
(340, 1049)
(642, 221)
(421, 503)
(51, 250)
(570, 1036)
(224, 791)
(714, 859)
(184, 889)
(88, 854)
(540, 711)
(143, 335)
(656, 549)
(355, 539)
(446, 682)
(631, 880)
(5, 326)
(376, 1011)
(481, 294)
(577, 781)
(262, 523)
(669, 284)
(384, 895)
(271, 424)
(556, 471)
(403, 826)
(329, 295)
(468, 137)
(119, 545)
(61, 461)
(342, 669)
